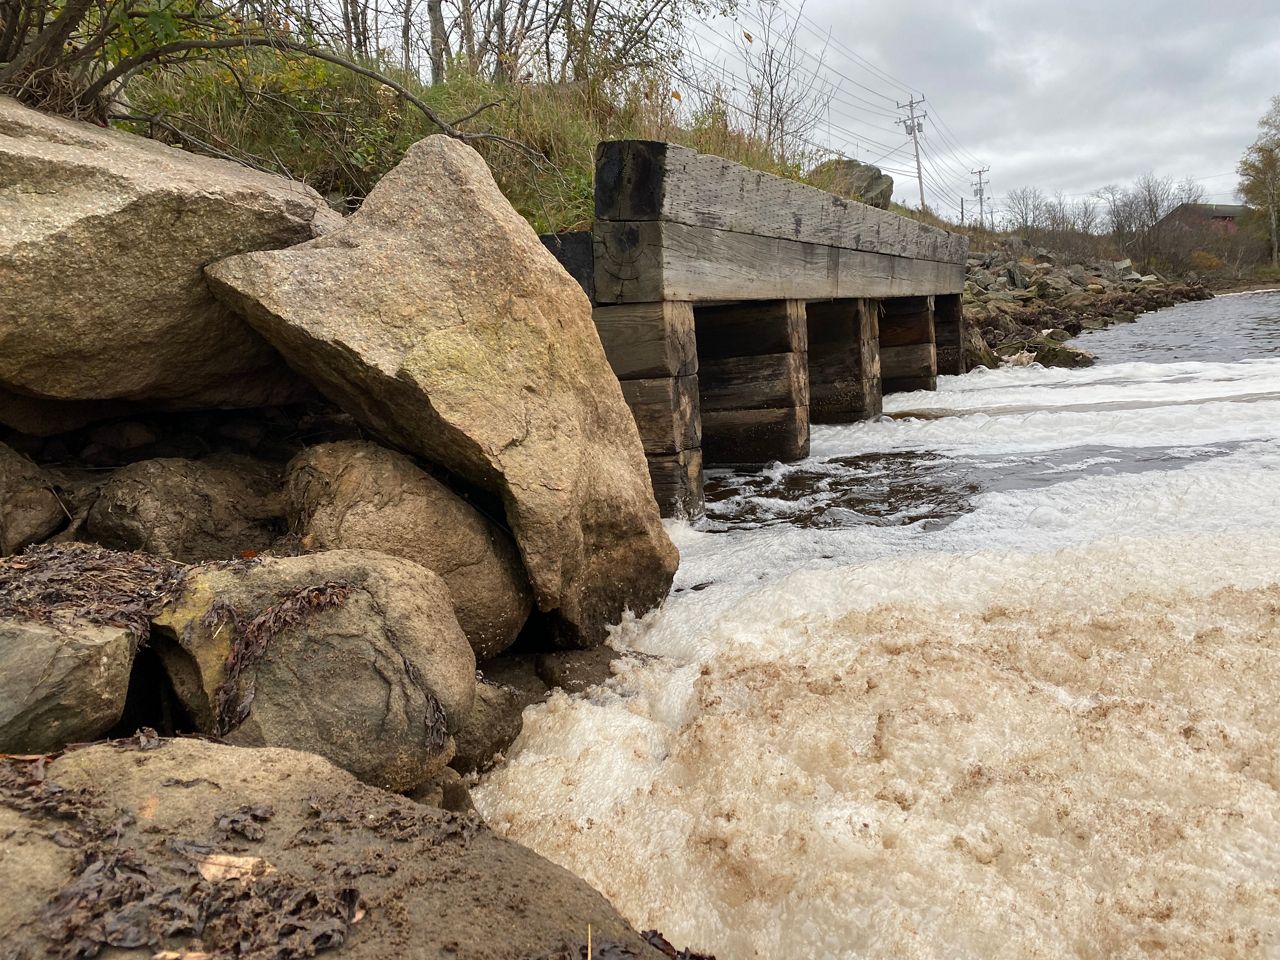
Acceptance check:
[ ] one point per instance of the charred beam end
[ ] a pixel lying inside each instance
(630, 179)
(576, 253)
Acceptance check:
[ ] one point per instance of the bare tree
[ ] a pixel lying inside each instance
(786, 100)
(1024, 209)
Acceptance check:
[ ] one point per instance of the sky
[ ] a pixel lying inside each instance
(1061, 96)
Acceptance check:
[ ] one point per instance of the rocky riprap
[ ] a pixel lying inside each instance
(350, 497)
(1024, 303)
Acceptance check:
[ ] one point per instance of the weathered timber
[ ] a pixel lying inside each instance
(755, 437)
(906, 320)
(751, 328)
(646, 261)
(948, 325)
(908, 358)
(576, 253)
(639, 180)
(666, 412)
(677, 483)
(648, 339)
(755, 382)
(912, 367)
(844, 361)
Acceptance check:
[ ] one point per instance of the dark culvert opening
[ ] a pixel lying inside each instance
(151, 700)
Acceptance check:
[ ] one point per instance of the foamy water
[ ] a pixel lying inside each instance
(994, 677)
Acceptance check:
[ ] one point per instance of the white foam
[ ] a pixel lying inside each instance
(1046, 729)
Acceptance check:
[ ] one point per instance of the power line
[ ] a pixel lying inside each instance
(913, 125)
(980, 191)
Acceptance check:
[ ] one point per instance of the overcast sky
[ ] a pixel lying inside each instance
(1063, 96)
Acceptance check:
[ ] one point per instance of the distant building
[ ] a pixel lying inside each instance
(1222, 216)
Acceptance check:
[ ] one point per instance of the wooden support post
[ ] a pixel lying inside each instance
(648, 339)
(652, 351)
(948, 326)
(908, 357)
(677, 483)
(844, 360)
(753, 373)
(666, 413)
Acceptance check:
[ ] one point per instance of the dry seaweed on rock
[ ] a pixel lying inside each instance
(245, 822)
(104, 587)
(253, 637)
(611, 950)
(661, 943)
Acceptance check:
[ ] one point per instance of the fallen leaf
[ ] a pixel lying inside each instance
(216, 867)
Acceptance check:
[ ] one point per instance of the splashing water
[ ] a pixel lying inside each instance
(993, 677)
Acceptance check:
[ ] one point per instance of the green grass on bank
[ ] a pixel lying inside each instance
(340, 132)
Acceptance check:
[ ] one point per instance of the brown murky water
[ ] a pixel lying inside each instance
(997, 680)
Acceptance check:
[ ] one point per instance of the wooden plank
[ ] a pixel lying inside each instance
(678, 484)
(576, 253)
(845, 401)
(666, 412)
(948, 320)
(908, 384)
(648, 180)
(754, 383)
(651, 261)
(753, 327)
(908, 320)
(754, 437)
(844, 360)
(648, 339)
(912, 360)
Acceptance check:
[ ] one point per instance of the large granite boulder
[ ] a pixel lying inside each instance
(349, 654)
(855, 180)
(187, 849)
(29, 507)
(189, 510)
(61, 682)
(437, 318)
(365, 497)
(104, 238)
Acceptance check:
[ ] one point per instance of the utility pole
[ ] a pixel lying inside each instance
(980, 191)
(962, 211)
(913, 123)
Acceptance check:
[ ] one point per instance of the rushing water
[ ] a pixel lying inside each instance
(994, 676)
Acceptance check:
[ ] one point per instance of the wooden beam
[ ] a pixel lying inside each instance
(648, 339)
(678, 483)
(638, 180)
(844, 361)
(906, 320)
(751, 328)
(908, 357)
(576, 253)
(666, 412)
(652, 260)
(756, 382)
(913, 367)
(754, 437)
(948, 322)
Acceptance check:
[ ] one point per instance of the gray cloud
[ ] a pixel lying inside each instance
(1062, 97)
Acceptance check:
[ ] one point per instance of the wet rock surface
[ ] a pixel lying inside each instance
(349, 654)
(61, 682)
(29, 508)
(1018, 298)
(182, 848)
(190, 510)
(362, 496)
